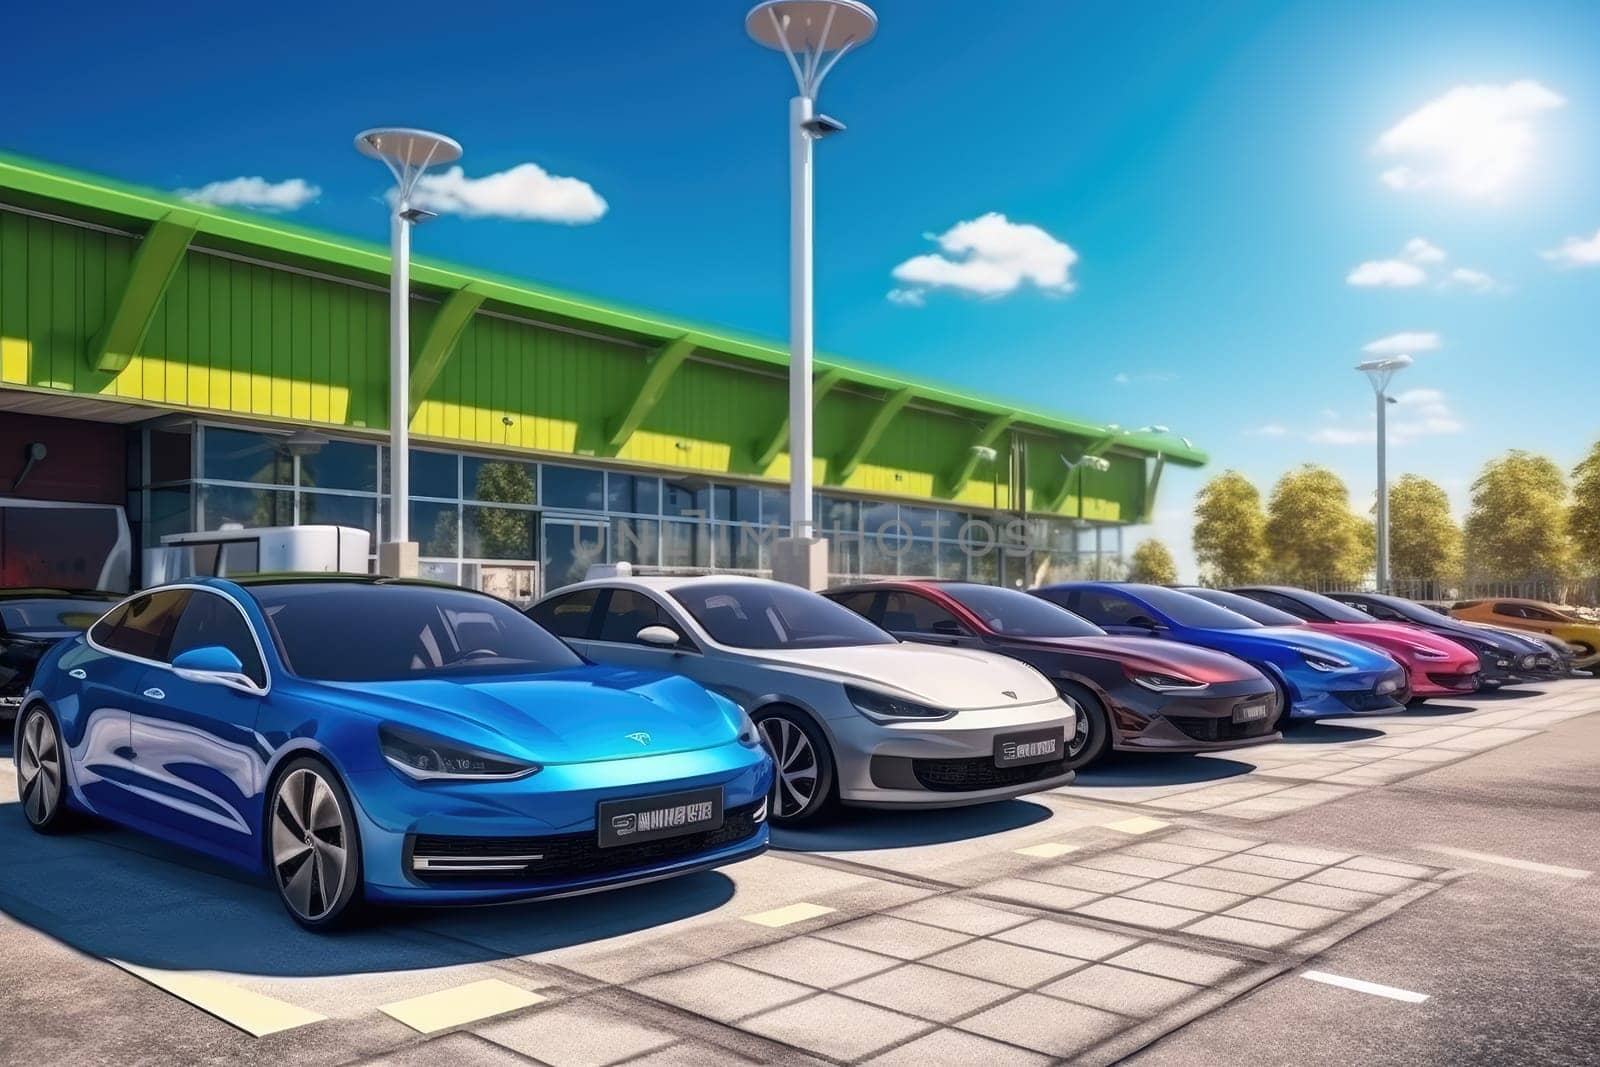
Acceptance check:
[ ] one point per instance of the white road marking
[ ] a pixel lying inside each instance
(1509, 861)
(1365, 987)
(788, 916)
(1141, 824)
(1048, 851)
(432, 1012)
(254, 1013)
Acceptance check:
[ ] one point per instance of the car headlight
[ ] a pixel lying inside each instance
(425, 758)
(1529, 661)
(1323, 663)
(1162, 683)
(885, 708)
(1427, 653)
(749, 736)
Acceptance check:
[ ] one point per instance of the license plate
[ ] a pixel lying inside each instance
(1249, 712)
(639, 819)
(1021, 749)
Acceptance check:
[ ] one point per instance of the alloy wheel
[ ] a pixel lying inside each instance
(39, 768)
(796, 781)
(1080, 729)
(310, 844)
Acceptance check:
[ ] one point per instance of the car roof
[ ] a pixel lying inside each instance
(52, 593)
(663, 582)
(317, 577)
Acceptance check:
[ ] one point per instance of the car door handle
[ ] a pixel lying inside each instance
(155, 694)
(79, 673)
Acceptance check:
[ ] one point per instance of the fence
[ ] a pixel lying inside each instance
(1582, 593)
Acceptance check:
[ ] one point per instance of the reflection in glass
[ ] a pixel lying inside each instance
(244, 456)
(333, 509)
(502, 481)
(341, 465)
(225, 506)
(169, 514)
(636, 541)
(434, 528)
(573, 487)
(497, 533)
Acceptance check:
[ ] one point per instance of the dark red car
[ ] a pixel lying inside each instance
(1130, 693)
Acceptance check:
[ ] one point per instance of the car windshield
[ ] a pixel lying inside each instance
(1332, 609)
(1254, 610)
(1016, 614)
(358, 632)
(51, 616)
(774, 615)
(1186, 610)
(1409, 609)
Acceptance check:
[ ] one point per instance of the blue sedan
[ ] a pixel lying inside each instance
(361, 739)
(1319, 676)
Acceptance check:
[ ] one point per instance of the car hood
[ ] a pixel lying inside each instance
(1304, 639)
(957, 679)
(581, 715)
(1201, 664)
(1511, 639)
(1394, 635)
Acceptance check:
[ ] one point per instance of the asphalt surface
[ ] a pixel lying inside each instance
(1128, 895)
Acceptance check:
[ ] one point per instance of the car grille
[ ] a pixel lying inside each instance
(969, 775)
(1455, 681)
(1209, 728)
(1365, 700)
(567, 856)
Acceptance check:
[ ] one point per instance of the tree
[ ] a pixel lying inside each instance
(1424, 541)
(1151, 562)
(1229, 530)
(501, 533)
(1516, 529)
(1583, 522)
(1311, 533)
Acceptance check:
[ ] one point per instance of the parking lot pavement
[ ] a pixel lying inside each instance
(1083, 924)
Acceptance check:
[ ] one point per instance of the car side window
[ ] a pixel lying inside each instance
(1289, 604)
(858, 602)
(212, 619)
(100, 632)
(1512, 610)
(145, 629)
(630, 611)
(567, 615)
(1108, 609)
(908, 613)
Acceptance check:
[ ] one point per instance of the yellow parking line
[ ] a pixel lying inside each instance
(1047, 851)
(787, 916)
(1141, 824)
(433, 1012)
(254, 1013)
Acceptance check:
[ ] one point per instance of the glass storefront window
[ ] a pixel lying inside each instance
(501, 481)
(952, 561)
(244, 456)
(634, 493)
(685, 544)
(434, 528)
(334, 509)
(170, 457)
(636, 541)
(341, 465)
(439, 572)
(917, 560)
(497, 533)
(169, 513)
(775, 506)
(574, 488)
(681, 498)
(228, 506)
(434, 474)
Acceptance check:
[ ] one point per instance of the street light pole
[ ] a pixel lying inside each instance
(407, 153)
(813, 35)
(1380, 372)
(1075, 469)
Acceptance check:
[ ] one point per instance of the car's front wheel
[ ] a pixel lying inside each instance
(41, 771)
(1091, 736)
(313, 847)
(804, 788)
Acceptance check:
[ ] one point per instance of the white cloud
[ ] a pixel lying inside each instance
(1576, 252)
(1422, 250)
(1408, 342)
(1271, 429)
(525, 192)
(991, 256)
(914, 298)
(1474, 140)
(1476, 280)
(1342, 435)
(1386, 273)
(291, 194)
(1422, 413)
(1150, 377)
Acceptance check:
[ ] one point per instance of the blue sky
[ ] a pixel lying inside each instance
(1216, 171)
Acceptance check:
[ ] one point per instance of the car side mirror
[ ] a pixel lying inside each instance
(948, 627)
(1145, 622)
(660, 636)
(214, 665)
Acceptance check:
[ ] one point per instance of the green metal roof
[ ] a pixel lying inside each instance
(55, 189)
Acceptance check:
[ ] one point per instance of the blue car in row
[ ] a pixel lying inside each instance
(368, 739)
(1318, 676)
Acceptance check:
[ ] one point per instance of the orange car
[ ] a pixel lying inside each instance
(1564, 624)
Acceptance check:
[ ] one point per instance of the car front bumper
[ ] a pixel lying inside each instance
(539, 836)
(1181, 722)
(947, 763)
(1344, 694)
